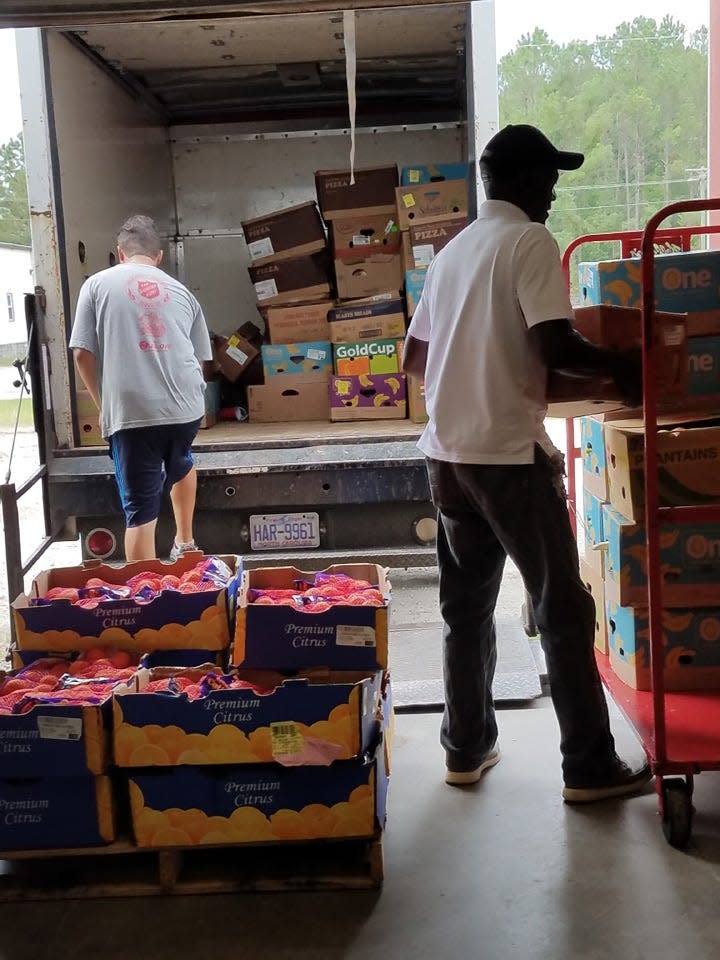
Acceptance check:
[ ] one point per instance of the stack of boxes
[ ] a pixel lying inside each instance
(615, 562)
(284, 736)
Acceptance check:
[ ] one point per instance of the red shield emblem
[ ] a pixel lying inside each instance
(148, 289)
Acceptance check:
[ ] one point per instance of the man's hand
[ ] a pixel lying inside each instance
(626, 372)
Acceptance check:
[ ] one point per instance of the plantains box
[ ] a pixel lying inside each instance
(690, 645)
(364, 233)
(288, 399)
(428, 239)
(295, 280)
(292, 232)
(54, 740)
(299, 324)
(345, 637)
(259, 803)
(368, 397)
(367, 357)
(367, 321)
(311, 361)
(689, 562)
(313, 718)
(51, 812)
(688, 458)
(373, 191)
(426, 202)
(190, 621)
(368, 274)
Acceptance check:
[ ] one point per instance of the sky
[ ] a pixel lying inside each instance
(513, 18)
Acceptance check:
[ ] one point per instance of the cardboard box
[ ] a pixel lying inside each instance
(220, 806)
(364, 233)
(426, 202)
(368, 397)
(367, 357)
(89, 430)
(299, 324)
(416, 400)
(690, 645)
(288, 399)
(53, 812)
(688, 459)
(364, 276)
(55, 741)
(704, 367)
(295, 280)
(414, 283)
(197, 621)
(593, 580)
(307, 719)
(292, 232)
(367, 321)
(212, 404)
(85, 406)
(689, 562)
(684, 282)
(282, 638)
(428, 239)
(592, 449)
(372, 192)
(235, 353)
(311, 361)
(593, 519)
(433, 172)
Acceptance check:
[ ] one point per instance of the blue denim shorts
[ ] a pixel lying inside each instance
(148, 462)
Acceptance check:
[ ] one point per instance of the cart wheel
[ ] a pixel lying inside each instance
(528, 617)
(678, 810)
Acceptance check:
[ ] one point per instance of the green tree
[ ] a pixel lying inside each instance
(14, 212)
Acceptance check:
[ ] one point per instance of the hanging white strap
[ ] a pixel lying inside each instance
(350, 72)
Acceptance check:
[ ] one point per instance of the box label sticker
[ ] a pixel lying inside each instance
(60, 728)
(315, 354)
(423, 253)
(674, 335)
(286, 738)
(261, 248)
(237, 355)
(408, 200)
(266, 289)
(414, 176)
(352, 636)
(360, 240)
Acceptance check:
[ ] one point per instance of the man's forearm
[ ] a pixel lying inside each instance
(86, 365)
(579, 356)
(414, 357)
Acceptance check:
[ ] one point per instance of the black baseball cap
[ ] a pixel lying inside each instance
(520, 145)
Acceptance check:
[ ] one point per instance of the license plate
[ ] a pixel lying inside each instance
(284, 531)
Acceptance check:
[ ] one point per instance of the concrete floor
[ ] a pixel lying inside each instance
(495, 872)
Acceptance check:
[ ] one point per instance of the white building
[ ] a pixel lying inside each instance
(15, 281)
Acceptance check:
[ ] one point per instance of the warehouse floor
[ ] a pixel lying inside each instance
(495, 872)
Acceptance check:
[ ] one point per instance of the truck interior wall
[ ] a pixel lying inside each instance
(221, 183)
(114, 159)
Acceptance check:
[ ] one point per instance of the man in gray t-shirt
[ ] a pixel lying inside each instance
(139, 340)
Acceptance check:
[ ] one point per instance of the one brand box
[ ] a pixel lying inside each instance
(432, 173)
(292, 232)
(593, 519)
(288, 399)
(278, 637)
(365, 275)
(363, 234)
(593, 580)
(257, 803)
(417, 411)
(684, 282)
(52, 812)
(299, 324)
(311, 719)
(688, 455)
(367, 357)
(367, 321)
(690, 646)
(689, 562)
(428, 239)
(704, 367)
(592, 450)
(295, 280)
(431, 201)
(372, 192)
(311, 360)
(368, 397)
(235, 353)
(414, 283)
(170, 621)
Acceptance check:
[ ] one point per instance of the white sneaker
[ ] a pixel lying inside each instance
(178, 549)
(461, 778)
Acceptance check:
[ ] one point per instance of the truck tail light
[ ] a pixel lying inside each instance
(100, 543)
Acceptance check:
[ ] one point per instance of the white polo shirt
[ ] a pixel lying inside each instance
(484, 382)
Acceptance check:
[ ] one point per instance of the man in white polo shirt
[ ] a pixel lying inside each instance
(492, 320)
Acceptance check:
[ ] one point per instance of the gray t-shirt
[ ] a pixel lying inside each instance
(148, 334)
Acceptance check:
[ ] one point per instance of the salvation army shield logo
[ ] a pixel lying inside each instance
(148, 289)
(151, 293)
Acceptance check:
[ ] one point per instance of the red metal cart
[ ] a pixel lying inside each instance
(679, 731)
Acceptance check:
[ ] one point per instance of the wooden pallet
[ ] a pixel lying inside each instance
(123, 870)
